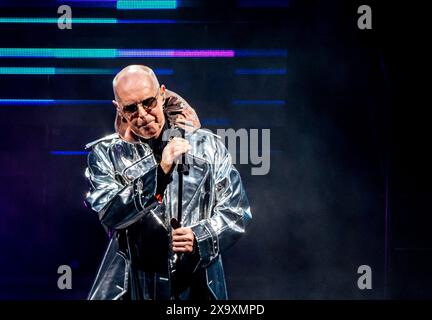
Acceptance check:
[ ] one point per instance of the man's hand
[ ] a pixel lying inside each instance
(172, 151)
(183, 240)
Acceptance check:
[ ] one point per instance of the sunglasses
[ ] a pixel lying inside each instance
(148, 104)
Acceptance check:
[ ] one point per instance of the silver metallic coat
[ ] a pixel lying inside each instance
(123, 179)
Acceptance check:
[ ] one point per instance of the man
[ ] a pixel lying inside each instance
(134, 188)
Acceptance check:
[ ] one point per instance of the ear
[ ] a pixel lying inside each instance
(115, 103)
(162, 89)
(119, 109)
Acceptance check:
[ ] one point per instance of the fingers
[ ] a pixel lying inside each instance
(179, 150)
(182, 231)
(177, 142)
(183, 240)
(181, 147)
(182, 237)
(182, 243)
(185, 249)
(183, 246)
(177, 147)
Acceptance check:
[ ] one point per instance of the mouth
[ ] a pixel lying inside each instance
(147, 124)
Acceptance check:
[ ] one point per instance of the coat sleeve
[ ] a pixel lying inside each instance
(119, 203)
(230, 214)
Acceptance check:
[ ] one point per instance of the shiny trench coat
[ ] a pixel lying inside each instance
(122, 178)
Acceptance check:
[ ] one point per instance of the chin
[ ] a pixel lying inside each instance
(149, 133)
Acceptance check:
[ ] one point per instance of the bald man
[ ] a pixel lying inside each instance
(134, 191)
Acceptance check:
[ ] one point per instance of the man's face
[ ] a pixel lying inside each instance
(132, 90)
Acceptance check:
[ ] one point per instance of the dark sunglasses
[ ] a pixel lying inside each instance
(148, 104)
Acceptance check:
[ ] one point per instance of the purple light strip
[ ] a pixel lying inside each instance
(169, 53)
(204, 53)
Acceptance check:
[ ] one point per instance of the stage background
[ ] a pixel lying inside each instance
(343, 189)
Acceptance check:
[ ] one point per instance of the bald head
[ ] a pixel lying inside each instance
(134, 77)
(135, 85)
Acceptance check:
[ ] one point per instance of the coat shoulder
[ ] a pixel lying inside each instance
(109, 139)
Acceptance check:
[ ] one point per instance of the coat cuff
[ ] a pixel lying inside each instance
(207, 242)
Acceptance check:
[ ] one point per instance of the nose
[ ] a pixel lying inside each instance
(141, 111)
(144, 115)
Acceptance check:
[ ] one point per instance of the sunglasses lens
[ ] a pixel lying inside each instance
(130, 108)
(152, 103)
(147, 104)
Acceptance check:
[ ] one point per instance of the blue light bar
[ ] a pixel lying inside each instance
(64, 53)
(47, 20)
(57, 53)
(124, 4)
(70, 71)
(96, 71)
(27, 70)
(113, 4)
(90, 3)
(146, 4)
(44, 102)
(175, 53)
(55, 20)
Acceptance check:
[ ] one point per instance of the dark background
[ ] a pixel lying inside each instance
(349, 177)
